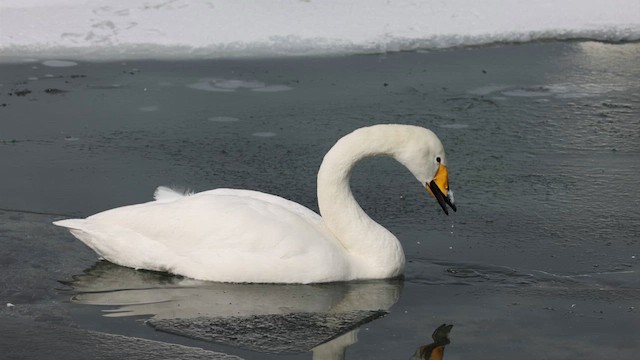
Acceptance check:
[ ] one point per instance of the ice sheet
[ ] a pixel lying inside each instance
(183, 29)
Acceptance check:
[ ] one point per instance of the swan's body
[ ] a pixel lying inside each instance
(247, 236)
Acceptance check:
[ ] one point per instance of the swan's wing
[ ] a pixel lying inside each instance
(278, 201)
(224, 234)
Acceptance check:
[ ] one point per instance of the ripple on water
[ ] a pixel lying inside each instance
(149, 108)
(264, 134)
(443, 273)
(488, 89)
(454, 126)
(537, 91)
(223, 119)
(558, 90)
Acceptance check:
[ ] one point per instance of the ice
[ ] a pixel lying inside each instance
(231, 85)
(236, 84)
(273, 88)
(186, 29)
(274, 333)
(224, 85)
(22, 339)
(59, 63)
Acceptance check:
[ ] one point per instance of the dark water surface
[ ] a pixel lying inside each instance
(540, 261)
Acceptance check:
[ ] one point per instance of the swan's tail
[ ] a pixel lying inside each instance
(120, 245)
(80, 229)
(70, 223)
(167, 194)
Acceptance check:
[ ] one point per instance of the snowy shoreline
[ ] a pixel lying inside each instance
(108, 30)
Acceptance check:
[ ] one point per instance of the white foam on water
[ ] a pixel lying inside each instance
(105, 30)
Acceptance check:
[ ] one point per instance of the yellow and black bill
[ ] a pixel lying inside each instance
(439, 189)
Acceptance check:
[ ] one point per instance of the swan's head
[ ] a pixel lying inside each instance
(423, 154)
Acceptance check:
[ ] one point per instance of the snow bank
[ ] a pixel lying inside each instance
(166, 29)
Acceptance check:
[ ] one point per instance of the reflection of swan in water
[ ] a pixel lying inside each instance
(246, 236)
(225, 313)
(435, 350)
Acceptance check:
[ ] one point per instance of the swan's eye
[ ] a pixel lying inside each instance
(438, 159)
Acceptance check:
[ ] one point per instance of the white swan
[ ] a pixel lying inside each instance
(233, 235)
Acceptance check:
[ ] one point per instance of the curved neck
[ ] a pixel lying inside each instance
(376, 252)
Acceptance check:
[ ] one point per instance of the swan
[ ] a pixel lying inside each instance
(245, 236)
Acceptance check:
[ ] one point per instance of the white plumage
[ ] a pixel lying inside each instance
(246, 236)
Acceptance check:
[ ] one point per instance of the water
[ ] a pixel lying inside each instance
(543, 146)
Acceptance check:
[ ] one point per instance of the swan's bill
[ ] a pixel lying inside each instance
(439, 189)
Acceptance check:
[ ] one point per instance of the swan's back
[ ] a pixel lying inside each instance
(220, 235)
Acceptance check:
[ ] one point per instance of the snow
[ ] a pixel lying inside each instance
(186, 29)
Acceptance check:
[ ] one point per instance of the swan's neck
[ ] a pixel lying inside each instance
(376, 252)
